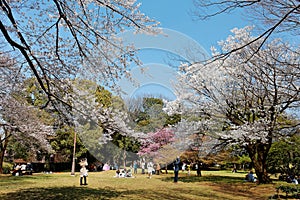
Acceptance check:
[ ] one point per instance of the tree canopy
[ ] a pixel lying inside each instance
(246, 101)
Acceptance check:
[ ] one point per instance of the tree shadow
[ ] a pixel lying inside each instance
(171, 194)
(211, 178)
(292, 197)
(63, 193)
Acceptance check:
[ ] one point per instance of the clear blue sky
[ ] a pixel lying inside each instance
(175, 15)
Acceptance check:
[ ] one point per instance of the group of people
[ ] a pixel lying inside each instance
(186, 167)
(156, 168)
(293, 179)
(151, 169)
(123, 173)
(20, 169)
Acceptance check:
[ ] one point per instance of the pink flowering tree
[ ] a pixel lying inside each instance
(155, 143)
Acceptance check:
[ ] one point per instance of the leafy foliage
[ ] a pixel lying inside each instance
(284, 156)
(293, 190)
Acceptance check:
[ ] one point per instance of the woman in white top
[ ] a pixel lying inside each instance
(150, 169)
(83, 175)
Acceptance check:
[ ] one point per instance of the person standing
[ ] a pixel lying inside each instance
(135, 167)
(199, 166)
(150, 169)
(183, 167)
(143, 166)
(157, 169)
(188, 168)
(83, 171)
(83, 175)
(176, 169)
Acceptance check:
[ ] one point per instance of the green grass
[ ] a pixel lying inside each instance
(102, 185)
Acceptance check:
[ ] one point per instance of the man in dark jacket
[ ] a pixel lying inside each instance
(176, 169)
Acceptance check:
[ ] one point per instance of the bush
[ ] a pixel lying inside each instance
(7, 167)
(294, 190)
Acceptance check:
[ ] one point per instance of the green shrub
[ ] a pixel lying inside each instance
(293, 189)
(7, 167)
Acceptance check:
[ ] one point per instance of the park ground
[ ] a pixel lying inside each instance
(212, 185)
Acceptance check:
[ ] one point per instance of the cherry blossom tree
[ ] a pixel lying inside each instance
(18, 118)
(59, 40)
(24, 123)
(154, 141)
(248, 101)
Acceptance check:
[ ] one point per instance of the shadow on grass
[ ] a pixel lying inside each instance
(176, 193)
(211, 178)
(18, 179)
(63, 193)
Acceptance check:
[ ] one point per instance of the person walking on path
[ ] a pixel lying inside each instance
(176, 169)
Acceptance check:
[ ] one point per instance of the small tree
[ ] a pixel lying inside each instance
(154, 142)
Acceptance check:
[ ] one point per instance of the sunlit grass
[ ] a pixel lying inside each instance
(102, 185)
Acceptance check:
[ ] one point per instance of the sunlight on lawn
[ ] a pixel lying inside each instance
(102, 185)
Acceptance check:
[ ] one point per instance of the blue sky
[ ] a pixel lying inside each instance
(176, 17)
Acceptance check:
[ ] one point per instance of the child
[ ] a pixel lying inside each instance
(83, 175)
(83, 171)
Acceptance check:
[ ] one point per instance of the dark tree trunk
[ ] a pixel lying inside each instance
(258, 153)
(2, 153)
(1, 160)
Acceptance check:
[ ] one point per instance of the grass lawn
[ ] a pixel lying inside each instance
(102, 185)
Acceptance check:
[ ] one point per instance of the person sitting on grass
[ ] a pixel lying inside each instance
(128, 173)
(17, 170)
(117, 173)
(122, 173)
(250, 177)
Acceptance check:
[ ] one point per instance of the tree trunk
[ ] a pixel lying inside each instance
(258, 154)
(1, 160)
(124, 158)
(2, 153)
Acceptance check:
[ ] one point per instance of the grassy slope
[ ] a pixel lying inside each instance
(212, 185)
